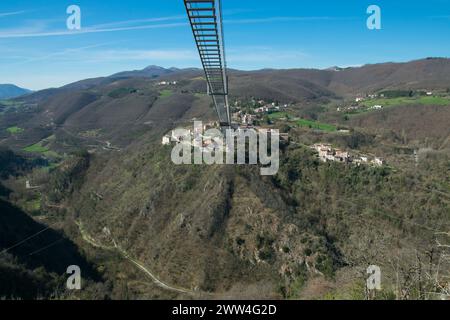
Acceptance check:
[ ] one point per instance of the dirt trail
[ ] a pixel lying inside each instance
(86, 237)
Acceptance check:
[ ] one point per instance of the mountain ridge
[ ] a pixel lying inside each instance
(9, 91)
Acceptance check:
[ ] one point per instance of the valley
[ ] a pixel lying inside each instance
(83, 167)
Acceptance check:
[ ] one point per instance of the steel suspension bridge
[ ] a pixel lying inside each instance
(205, 17)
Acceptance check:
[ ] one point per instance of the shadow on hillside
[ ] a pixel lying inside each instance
(48, 248)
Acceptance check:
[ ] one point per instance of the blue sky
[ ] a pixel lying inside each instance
(37, 50)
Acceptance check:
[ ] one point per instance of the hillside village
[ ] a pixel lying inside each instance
(359, 103)
(253, 113)
(167, 83)
(328, 153)
(194, 138)
(208, 140)
(244, 117)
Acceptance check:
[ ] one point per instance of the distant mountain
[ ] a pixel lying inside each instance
(8, 91)
(148, 72)
(304, 84)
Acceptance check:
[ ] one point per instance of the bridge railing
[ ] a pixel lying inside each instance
(205, 17)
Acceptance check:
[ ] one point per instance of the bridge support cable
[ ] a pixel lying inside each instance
(205, 17)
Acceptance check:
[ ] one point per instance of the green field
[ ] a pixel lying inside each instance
(42, 148)
(36, 148)
(121, 92)
(15, 130)
(392, 102)
(165, 93)
(316, 125)
(33, 205)
(302, 122)
(278, 115)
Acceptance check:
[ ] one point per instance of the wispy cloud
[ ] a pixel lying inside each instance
(41, 28)
(282, 19)
(87, 30)
(143, 24)
(63, 53)
(235, 56)
(91, 54)
(139, 21)
(31, 26)
(14, 13)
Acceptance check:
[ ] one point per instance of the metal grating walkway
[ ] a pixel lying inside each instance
(205, 17)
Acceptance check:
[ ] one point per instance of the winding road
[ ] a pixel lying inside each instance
(87, 238)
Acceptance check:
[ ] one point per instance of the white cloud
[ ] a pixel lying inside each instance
(14, 13)
(138, 24)
(138, 21)
(32, 26)
(94, 29)
(236, 55)
(85, 55)
(56, 55)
